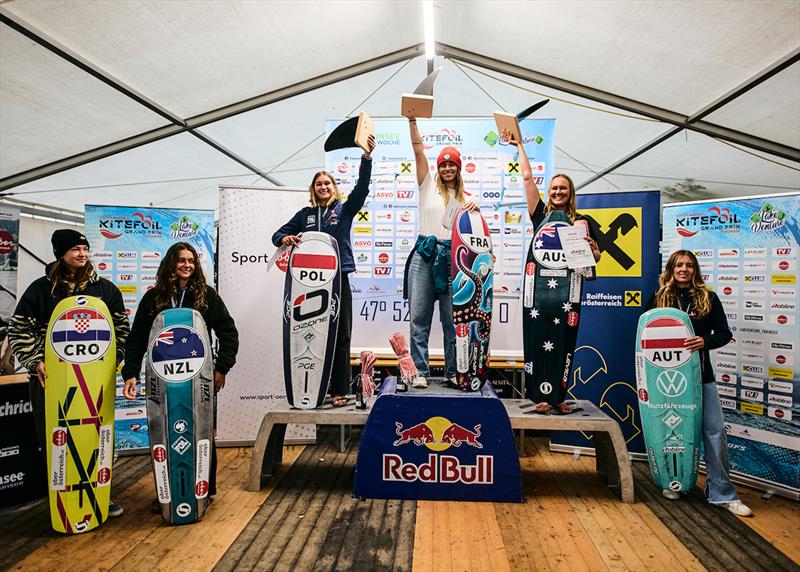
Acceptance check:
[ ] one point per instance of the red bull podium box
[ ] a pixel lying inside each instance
(441, 444)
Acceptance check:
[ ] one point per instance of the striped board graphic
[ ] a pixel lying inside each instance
(80, 360)
(310, 318)
(180, 412)
(551, 307)
(670, 392)
(472, 276)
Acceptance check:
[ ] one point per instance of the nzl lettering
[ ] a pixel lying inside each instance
(178, 367)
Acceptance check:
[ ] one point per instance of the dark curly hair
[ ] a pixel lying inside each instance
(167, 282)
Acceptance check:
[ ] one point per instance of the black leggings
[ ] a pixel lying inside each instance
(340, 371)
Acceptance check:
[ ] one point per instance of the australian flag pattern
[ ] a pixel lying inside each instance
(472, 274)
(551, 306)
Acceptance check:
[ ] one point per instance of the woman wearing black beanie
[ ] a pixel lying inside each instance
(71, 274)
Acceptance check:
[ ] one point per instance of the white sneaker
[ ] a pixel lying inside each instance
(739, 508)
(671, 495)
(419, 382)
(452, 380)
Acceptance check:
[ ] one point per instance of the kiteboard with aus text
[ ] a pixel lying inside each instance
(551, 306)
(180, 412)
(670, 391)
(471, 274)
(310, 318)
(80, 361)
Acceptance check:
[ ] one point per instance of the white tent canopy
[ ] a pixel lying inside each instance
(159, 102)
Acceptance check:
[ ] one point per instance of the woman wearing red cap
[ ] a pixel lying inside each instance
(427, 276)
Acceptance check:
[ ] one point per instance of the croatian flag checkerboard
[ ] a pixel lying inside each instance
(81, 335)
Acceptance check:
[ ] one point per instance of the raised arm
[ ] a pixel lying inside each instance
(531, 191)
(419, 150)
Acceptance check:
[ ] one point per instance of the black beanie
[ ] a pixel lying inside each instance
(65, 238)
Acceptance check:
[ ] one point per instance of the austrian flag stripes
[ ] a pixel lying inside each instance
(662, 342)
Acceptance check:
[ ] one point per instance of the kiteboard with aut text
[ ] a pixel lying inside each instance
(670, 391)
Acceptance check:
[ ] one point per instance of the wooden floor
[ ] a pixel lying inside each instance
(307, 520)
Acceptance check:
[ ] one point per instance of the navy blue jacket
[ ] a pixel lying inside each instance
(335, 220)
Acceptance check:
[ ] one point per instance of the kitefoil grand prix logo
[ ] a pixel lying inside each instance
(716, 218)
(137, 223)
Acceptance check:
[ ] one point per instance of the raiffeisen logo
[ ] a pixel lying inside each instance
(137, 223)
(717, 219)
(768, 218)
(443, 137)
(439, 434)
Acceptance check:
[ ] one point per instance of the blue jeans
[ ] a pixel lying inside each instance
(718, 489)
(421, 296)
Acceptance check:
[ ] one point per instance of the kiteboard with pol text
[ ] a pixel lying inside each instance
(80, 360)
(310, 318)
(551, 306)
(471, 274)
(670, 391)
(180, 412)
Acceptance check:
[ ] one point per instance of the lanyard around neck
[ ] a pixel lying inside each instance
(180, 303)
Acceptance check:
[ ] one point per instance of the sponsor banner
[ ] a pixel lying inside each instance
(438, 447)
(489, 175)
(603, 369)
(9, 248)
(22, 468)
(134, 239)
(756, 245)
(248, 217)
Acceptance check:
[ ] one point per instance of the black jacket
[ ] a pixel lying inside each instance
(217, 320)
(335, 220)
(27, 328)
(713, 328)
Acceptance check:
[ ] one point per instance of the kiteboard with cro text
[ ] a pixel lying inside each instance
(80, 360)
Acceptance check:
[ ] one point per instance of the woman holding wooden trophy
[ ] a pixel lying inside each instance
(427, 274)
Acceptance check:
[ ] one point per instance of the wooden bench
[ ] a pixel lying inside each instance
(613, 461)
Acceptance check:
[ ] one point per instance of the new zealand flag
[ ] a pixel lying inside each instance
(177, 353)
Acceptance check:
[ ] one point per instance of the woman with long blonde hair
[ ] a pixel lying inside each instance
(329, 214)
(545, 378)
(681, 286)
(427, 273)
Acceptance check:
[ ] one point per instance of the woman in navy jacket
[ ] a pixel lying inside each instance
(329, 214)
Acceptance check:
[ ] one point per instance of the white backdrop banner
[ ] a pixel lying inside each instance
(247, 219)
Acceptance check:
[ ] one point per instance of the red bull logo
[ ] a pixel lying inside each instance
(439, 434)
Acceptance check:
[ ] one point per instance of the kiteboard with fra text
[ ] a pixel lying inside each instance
(310, 318)
(472, 273)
